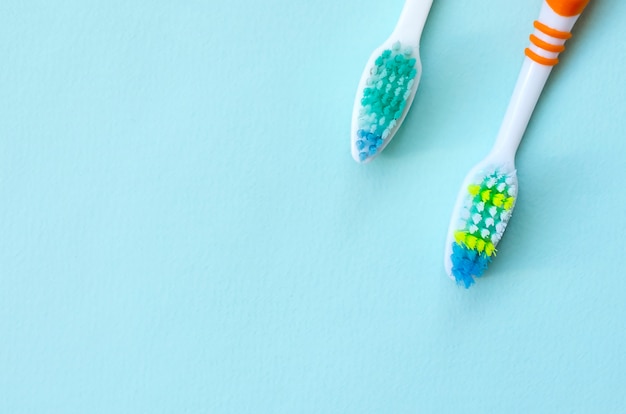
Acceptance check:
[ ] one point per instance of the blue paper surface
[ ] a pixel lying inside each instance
(183, 229)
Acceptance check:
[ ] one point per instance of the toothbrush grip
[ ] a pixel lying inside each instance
(552, 29)
(568, 8)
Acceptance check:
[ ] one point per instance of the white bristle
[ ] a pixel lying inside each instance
(499, 228)
(495, 238)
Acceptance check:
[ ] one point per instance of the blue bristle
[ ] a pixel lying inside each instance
(363, 156)
(470, 254)
(371, 137)
(379, 142)
(360, 144)
(467, 264)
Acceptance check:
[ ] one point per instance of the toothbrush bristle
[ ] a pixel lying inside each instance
(384, 98)
(488, 206)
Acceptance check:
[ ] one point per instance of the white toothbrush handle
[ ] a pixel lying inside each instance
(412, 20)
(552, 29)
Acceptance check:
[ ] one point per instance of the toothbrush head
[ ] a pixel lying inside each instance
(385, 93)
(483, 211)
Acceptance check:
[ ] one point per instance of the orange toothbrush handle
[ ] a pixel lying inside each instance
(567, 8)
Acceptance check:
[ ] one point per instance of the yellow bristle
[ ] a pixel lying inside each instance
(498, 199)
(485, 195)
(470, 241)
(459, 237)
(490, 249)
(508, 203)
(480, 245)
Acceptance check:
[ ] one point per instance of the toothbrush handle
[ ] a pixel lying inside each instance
(552, 29)
(412, 20)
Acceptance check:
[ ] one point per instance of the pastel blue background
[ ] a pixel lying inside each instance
(183, 230)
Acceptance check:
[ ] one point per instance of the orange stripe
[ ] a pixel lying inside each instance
(545, 45)
(540, 59)
(552, 32)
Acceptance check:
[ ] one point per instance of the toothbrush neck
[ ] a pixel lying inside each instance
(530, 83)
(412, 20)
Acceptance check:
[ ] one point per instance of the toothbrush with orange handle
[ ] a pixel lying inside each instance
(488, 194)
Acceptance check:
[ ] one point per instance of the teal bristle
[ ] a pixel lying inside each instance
(384, 98)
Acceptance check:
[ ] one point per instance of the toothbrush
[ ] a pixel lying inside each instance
(489, 191)
(388, 84)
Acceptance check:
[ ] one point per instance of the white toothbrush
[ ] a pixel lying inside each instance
(489, 191)
(388, 84)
